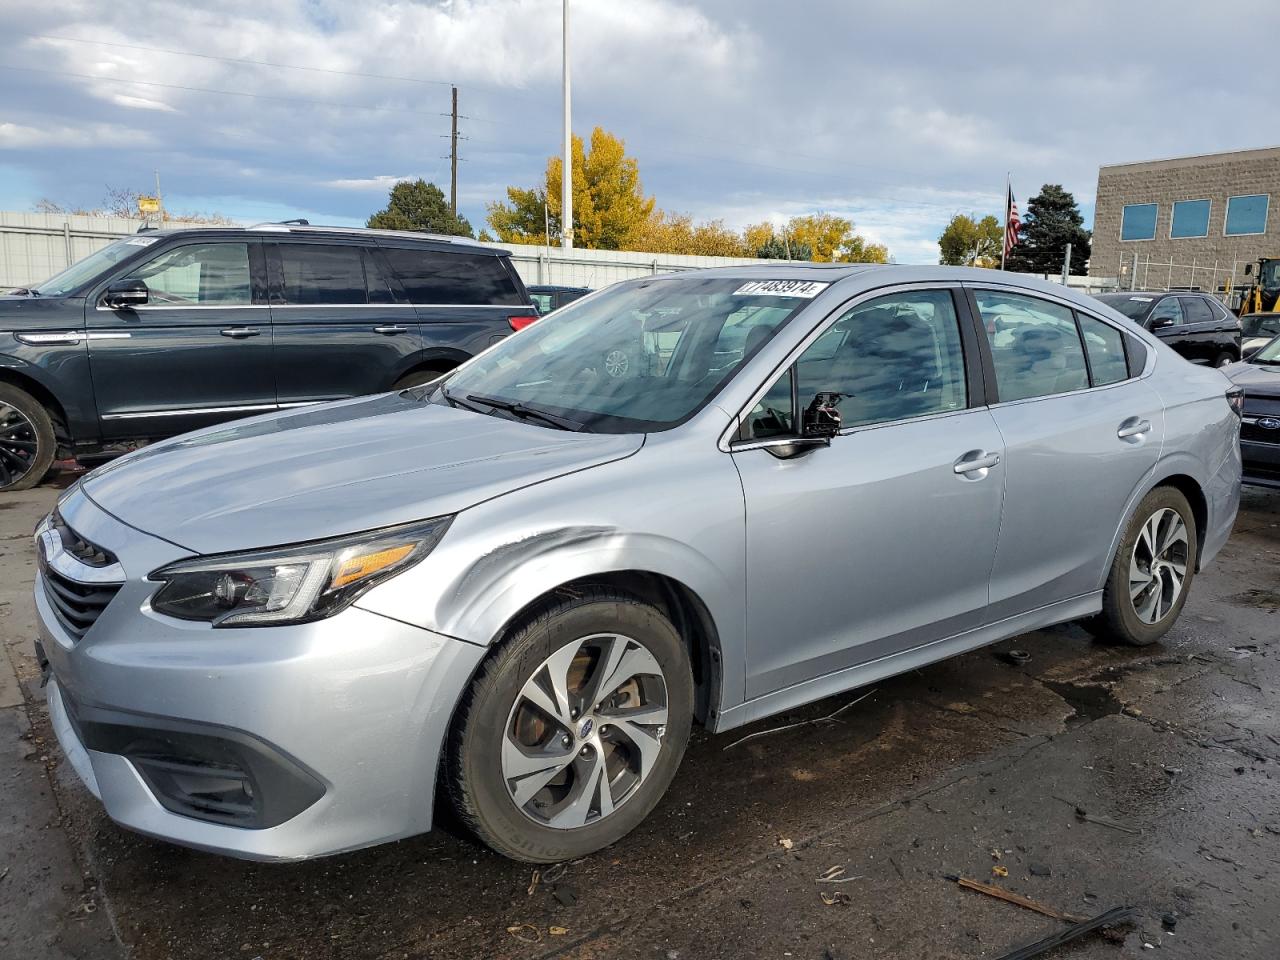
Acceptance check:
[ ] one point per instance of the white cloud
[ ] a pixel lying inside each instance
(14, 136)
(378, 184)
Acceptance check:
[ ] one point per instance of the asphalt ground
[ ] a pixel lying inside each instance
(970, 767)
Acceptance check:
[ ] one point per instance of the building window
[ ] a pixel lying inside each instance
(1247, 215)
(1138, 222)
(1190, 219)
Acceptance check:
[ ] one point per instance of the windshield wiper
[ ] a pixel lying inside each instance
(523, 411)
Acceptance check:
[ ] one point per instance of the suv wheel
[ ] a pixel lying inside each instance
(27, 443)
(1151, 575)
(573, 729)
(1222, 359)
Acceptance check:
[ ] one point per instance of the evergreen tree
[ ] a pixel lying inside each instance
(1052, 221)
(418, 205)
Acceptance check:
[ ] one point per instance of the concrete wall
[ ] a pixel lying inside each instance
(1205, 262)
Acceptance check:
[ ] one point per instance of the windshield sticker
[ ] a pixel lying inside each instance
(1142, 299)
(808, 289)
(140, 241)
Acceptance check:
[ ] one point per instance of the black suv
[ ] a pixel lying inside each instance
(1195, 324)
(171, 330)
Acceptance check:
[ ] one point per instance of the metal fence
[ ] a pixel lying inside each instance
(1139, 272)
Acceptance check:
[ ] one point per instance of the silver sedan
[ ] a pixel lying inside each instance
(702, 498)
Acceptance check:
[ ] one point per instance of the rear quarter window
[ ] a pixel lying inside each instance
(463, 279)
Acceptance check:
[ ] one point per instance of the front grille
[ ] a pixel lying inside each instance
(87, 553)
(76, 605)
(1256, 434)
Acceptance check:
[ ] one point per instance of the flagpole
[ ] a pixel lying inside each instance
(1004, 234)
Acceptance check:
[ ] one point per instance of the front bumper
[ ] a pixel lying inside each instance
(336, 727)
(1261, 463)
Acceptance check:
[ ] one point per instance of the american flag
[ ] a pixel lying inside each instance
(1011, 222)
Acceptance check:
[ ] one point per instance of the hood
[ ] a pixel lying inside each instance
(1258, 379)
(24, 312)
(335, 469)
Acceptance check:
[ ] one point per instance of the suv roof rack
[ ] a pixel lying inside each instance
(304, 226)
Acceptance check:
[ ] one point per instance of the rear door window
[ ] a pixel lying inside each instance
(316, 274)
(1196, 310)
(432, 277)
(1105, 346)
(1035, 345)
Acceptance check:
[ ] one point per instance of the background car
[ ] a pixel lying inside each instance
(1194, 324)
(548, 297)
(1257, 330)
(172, 330)
(1259, 375)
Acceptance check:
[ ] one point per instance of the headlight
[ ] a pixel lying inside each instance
(293, 584)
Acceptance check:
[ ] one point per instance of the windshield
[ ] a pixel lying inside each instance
(1260, 325)
(81, 272)
(640, 357)
(1269, 274)
(1268, 354)
(1131, 305)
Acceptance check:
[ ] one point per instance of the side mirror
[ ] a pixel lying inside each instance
(1248, 269)
(124, 294)
(1161, 322)
(822, 417)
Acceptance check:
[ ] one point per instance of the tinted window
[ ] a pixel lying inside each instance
(1105, 345)
(1166, 309)
(1196, 310)
(1138, 222)
(1034, 344)
(890, 359)
(1137, 355)
(431, 277)
(543, 301)
(376, 281)
(1190, 219)
(316, 274)
(198, 273)
(1247, 215)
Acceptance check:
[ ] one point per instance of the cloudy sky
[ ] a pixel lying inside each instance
(896, 114)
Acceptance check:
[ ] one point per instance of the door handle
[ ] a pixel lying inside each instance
(976, 460)
(240, 333)
(1133, 427)
(391, 329)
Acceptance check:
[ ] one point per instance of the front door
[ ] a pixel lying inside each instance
(196, 353)
(884, 540)
(339, 330)
(1080, 431)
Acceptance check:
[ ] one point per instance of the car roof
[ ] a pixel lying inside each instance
(309, 231)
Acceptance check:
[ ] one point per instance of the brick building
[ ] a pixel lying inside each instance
(1188, 221)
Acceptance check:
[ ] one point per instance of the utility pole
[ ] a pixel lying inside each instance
(453, 157)
(1066, 265)
(566, 172)
(159, 198)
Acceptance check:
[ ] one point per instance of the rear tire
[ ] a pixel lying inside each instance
(1222, 359)
(544, 785)
(1152, 572)
(27, 441)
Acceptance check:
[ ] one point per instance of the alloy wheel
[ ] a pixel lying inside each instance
(1158, 566)
(18, 445)
(617, 363)
(585, 731)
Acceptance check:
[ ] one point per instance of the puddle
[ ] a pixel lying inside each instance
(1091, 701)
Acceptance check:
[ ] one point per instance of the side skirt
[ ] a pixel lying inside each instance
(851, 678)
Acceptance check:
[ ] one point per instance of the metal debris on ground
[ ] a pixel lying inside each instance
(522, 931)
(839, 896)
(836, 875)
(1110, 918)
(533, 882)
(1016, 657)
(558, 931)
(999, 871)
(1016, 899)
(829, 718)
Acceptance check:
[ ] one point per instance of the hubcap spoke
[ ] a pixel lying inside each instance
(527, 773)
(1158, 566)
(645, 739)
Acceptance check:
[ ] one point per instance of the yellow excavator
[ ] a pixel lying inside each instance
(1263, 294)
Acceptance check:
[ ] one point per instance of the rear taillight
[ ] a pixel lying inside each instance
(519, 323)
(1235, 397)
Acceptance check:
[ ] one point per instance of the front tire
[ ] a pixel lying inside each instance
(1224, 358)
(1152, 572)
(27, 441)
(573, 729)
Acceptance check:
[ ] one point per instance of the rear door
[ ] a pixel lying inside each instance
(1081, 430)
(1168, 322)
(198, 352)
(1210, 335)
(340, 327)
(466, 300)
